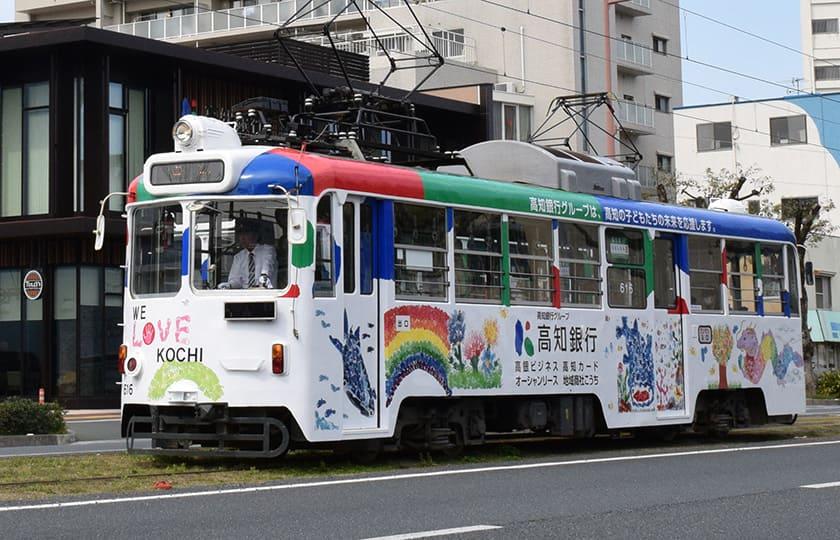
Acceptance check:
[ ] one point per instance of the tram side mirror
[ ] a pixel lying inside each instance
(809, 273)
(99, 232)
(297, 226)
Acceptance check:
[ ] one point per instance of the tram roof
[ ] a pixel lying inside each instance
(317, 173)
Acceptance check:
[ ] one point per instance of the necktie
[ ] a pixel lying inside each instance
(252, 278)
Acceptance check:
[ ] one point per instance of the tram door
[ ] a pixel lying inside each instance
(670, 263)
(361, 303)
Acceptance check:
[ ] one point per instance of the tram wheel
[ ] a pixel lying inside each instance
(456, 449)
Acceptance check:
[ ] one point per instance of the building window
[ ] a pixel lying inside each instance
(126, 138)
(660, 45)
(512, 122)
(717, 136)
(822, 288)
(827, 73)
(824, 26)
(24, 150)
(78, 144)
(21, 337)
(663, 103)
(664, 163)
(788, 130)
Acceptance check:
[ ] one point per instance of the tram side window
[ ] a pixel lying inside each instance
(706, 271)
(793, 280)
(478, 256)
(741, 268)
(240, 245)
(324, 249)
(531, 255)
(349, 247)
(420, 269)
(580, 265)
(157, 233)
(626, 276)
(772, 278)
(664, 274)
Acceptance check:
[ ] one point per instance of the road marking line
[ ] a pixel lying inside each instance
(439, 532)
(822, 486)
(411, 476)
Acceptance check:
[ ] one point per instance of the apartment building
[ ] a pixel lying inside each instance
(821, 45)
(529, 51)
(793, 140)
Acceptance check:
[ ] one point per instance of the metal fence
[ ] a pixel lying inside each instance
(634, 53)
(451, 45)
(630, 112)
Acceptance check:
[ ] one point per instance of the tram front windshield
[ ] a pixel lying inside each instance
(240, 245)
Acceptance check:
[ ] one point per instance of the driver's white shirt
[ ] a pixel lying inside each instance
(265, 262)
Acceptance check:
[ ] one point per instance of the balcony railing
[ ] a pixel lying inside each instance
(234, 19)
(630, 112)
(634, 53)
(451, 45)
(641, 3)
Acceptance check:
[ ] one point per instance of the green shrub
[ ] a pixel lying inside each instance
(19, 416)
(828, 384)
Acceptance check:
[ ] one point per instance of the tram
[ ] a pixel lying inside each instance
(277, 298)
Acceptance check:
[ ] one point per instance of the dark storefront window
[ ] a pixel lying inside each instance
(21, 337)
(24, 150)
(126, 138)
(87, 312)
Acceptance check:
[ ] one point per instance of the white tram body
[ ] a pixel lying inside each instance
(425, 308)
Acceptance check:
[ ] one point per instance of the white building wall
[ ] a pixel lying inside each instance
(797, 169)
(822, 49)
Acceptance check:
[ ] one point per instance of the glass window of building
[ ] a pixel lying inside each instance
(25, 150)
(788, 130)
(822, 291)
(126, 138)
(511, 121)
(716, 136)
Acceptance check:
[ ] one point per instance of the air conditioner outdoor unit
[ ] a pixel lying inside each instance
(509, 87)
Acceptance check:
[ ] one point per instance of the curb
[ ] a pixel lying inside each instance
(88, 418)
(823, 401)
(8, 441)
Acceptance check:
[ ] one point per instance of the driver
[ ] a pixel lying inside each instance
(255, 265)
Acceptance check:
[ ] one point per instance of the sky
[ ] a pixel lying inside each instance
(7, 11)
(714, 44)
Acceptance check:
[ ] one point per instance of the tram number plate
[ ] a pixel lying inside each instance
(704, 334)
(403, 323)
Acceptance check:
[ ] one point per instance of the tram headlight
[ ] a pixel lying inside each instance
(182, 132)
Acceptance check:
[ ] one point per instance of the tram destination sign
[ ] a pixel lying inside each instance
(33, 285)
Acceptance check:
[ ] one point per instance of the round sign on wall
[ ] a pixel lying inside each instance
(33, 285)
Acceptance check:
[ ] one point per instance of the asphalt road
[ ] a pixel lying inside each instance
(748, 491)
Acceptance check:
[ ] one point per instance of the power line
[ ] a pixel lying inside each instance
(592, 55)
(541, 83)
(686, 58)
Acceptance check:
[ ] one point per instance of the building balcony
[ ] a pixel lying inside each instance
(238, 20)
(633, 58)
(634, 8)
(450, 45)
(635, 118)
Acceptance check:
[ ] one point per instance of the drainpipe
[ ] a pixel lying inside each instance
(611, 127)
(522, 54)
